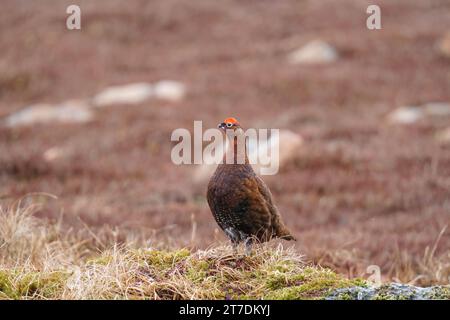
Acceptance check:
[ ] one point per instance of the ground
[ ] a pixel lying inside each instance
(360, 191)
(45, 261)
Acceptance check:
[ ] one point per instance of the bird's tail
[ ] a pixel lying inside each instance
(288, 237)
(285, 234)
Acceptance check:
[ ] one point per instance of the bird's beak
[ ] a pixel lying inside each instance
(222, 126)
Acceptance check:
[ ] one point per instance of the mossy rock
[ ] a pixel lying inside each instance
(391, 291)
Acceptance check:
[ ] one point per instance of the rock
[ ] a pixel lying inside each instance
(436, 109)
(289, 144)
(127, 94)
(169, 90)
(412, 114)
(443, 45)
(135, 93)
(405, 115)
(73, 111)
(315, 52)
(53, 154)
(204, 171)
(443, 136)
(392, 291)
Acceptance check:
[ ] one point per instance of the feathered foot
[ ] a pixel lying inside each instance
(248, 247)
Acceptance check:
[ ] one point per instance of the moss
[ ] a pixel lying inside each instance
(312, 283)
(385, 293)
(359, 282)
(5, 285)
(218, 274)
(17, 284)
(392, 291)
(277, 275)
(440, 293)
(347, 296)
(199, 270)
(161, 259)
(280, 280)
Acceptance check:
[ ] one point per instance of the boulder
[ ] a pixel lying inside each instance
(169, 90)
(443, 45)
(436, 109)
(72, 111)
(391, 291)
(315, 52)
(289, 143)
(126, 94)
(412, 114)
(405, 115)
(443, 136)
(53, 154)
(136, 93)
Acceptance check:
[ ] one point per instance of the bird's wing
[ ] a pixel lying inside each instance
(277, 225)
(259, 205)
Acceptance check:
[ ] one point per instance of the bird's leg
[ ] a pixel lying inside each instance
(234, 238)
(235, 247)
(248, 246)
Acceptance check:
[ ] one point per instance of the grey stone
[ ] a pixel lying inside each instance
(391, 291)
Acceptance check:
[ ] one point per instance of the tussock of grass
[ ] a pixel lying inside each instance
(39, 261)
(217, 273)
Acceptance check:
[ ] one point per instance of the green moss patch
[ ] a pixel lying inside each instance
(19, 284)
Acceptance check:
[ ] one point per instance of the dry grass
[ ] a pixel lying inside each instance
(425, 270)
(24, 240)
(361, 192)
(39, 260)
(43, 261)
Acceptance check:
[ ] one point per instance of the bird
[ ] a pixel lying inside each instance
(238, 198)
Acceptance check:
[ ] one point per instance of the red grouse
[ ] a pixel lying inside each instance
(240, 200)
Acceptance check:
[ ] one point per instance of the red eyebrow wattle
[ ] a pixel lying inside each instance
(231, 120)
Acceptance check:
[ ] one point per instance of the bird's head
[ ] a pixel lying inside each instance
(230, 124)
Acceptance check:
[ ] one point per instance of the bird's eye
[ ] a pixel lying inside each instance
(229, 124)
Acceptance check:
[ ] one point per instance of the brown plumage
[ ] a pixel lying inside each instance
(239, 200)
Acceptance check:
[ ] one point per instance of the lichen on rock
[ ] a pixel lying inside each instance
(391, 291)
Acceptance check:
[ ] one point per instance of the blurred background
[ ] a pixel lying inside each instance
(86, 115)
